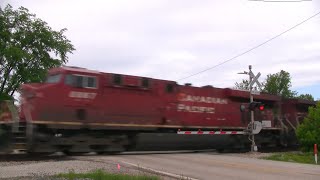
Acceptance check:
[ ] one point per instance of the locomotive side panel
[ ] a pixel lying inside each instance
(128, 101)
(294, 111)
(207, 107)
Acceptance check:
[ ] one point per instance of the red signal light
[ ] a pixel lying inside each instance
(261, 107)
(253, 106)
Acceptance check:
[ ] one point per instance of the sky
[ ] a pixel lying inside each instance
(173, 39)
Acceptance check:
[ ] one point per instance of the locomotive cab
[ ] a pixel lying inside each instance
(33, 94)
(65, 97)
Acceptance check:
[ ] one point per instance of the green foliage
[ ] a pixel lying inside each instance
(5, 97)
(279, 84)
(306, 97)
(28, 48)
(308, 132)
(100, 175)
(298, 157)
(244, 85)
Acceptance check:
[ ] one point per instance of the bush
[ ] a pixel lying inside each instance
(308, 132)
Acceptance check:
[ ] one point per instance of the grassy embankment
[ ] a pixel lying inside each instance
(100, 175)
(296, 157)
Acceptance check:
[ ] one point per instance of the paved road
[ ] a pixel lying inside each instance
(216, 166)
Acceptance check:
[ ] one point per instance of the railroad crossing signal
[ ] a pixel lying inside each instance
(252, 106)
(255, 128)
(261, 107)
(255, 80)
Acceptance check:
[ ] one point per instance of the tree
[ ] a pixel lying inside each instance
(244, 85)
(306, 97)
(308, 131)
(28, 48)
(279, 84)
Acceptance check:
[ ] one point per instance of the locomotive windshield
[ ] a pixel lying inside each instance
(54, 78)
(81, 81)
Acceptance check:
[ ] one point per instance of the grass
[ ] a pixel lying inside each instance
(296, 157)
(101, 175)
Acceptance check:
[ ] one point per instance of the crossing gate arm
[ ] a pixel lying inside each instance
(211, 132)
(257, 127)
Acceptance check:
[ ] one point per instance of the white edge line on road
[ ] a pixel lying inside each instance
(160, 172)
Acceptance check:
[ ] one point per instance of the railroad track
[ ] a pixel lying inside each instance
(32, 157)
(61, 156)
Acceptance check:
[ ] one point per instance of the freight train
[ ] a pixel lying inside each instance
(79, 110)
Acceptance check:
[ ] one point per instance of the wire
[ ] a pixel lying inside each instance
(281, 0)
(251, 49)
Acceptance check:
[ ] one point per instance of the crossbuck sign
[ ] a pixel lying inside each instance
(255, 80)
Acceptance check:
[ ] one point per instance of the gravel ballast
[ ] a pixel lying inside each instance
(45, 168)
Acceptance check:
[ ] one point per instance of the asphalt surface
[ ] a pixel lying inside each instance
(169, 165)
(216, 166)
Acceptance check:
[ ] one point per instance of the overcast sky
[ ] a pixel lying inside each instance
(172, 39)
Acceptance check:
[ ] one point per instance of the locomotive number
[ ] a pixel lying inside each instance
(84, 95)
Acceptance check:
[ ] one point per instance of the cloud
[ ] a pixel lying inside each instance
(173, 39)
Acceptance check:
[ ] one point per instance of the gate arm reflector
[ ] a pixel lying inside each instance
(211, 132)
(257, 127)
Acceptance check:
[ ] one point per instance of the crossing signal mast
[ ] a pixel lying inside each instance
(252, 105)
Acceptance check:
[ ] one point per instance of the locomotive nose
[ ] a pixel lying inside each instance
(28, 94)
(29, 91)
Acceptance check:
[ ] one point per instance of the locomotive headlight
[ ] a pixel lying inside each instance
(30, 95)
(39, 94)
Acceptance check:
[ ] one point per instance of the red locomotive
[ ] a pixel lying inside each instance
(80, 110)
